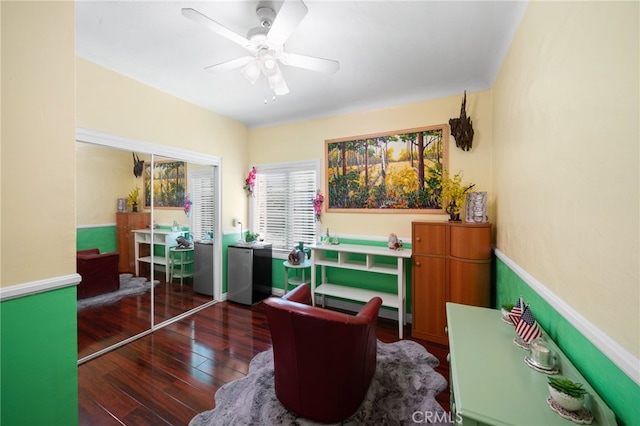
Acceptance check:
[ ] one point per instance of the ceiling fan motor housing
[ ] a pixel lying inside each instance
(266, 15)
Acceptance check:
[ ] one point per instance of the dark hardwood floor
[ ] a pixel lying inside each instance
(102, 326)
(172, 374)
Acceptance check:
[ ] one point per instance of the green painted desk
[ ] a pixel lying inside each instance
(491, 384)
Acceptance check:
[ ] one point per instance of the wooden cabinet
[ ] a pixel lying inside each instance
(125, 223)
(451, 263)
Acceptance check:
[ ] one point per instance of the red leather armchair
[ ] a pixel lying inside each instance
(99, 272)
(324, 360)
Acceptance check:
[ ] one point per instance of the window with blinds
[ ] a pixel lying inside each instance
(282, 207)
(202, 191)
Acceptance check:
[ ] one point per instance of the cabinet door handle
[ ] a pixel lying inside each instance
(417, 263)
(418, 239)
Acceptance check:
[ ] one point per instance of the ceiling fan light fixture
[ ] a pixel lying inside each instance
(277, 83)
(268, 63)
(251, 71)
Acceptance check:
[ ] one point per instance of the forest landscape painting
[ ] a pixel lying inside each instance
(399, 171)
(169, 184)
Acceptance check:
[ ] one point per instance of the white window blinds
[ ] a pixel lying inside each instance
(202, 195)
(282, 209)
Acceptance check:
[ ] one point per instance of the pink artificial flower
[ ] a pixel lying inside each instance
(317, 204)
(250, 181)
(187, 205)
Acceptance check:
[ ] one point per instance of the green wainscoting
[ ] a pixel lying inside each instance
(617, 389)
(101, 237)
(38, 361)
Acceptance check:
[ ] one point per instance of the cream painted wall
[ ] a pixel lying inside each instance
(566, 158)
(103, 175)
(306, 140)
(112, 103)
(38, 124)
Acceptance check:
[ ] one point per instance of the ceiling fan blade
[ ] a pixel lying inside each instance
(310, 62)
(287, 19)
(277, 83)
(231, 65)
(217, 28)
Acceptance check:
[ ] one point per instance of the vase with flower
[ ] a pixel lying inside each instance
(317, 204)
(453, 195)
(133, 198)
(250, 181)
(187, 205)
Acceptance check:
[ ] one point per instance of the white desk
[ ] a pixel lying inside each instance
(161, 237)
(344, 260)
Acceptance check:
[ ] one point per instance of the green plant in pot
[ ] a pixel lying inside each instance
(566, 393)
(251, 236)
(133, 198)
(506, 308)
(453, 195)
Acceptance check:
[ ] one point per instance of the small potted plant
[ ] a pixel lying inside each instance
(133, 198)
(453, 195)
(506, 308)
(251, 236)
(567, 394)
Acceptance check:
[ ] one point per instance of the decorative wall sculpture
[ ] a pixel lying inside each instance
(462, 127)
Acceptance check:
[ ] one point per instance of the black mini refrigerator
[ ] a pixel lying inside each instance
(249, 273)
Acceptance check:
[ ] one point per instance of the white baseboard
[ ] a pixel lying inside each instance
(621, 357)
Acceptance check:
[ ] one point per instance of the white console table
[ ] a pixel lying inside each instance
(160, 237)
(345, 260)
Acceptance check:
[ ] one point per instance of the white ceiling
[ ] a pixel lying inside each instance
(390, 52)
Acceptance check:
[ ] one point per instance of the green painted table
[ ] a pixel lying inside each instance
(490, 382)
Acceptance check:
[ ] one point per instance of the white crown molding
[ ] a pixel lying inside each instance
(621, 357)
(127, 144)
(40, 286)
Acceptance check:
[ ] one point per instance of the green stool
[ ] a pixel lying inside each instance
(181, 263)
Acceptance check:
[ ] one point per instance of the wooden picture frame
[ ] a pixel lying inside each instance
(393, 172)
(169, 184)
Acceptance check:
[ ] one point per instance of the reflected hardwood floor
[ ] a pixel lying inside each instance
(102, 326)
(173, 374)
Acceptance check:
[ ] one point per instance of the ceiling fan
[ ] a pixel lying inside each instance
(266, 45)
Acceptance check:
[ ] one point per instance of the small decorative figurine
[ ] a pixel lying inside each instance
(394, 243)
(183, 243)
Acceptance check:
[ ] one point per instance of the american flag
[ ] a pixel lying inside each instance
(516, 312)
(527, 327)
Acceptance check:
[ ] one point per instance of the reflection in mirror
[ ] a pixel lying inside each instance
(183, 235)
(147, 241)
(108, 315)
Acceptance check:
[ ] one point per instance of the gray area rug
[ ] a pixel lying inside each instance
(404, 383)
(129, 286)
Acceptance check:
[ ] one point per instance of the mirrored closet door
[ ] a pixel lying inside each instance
(159, 214)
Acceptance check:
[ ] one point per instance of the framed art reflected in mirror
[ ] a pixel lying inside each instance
(169, 184)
